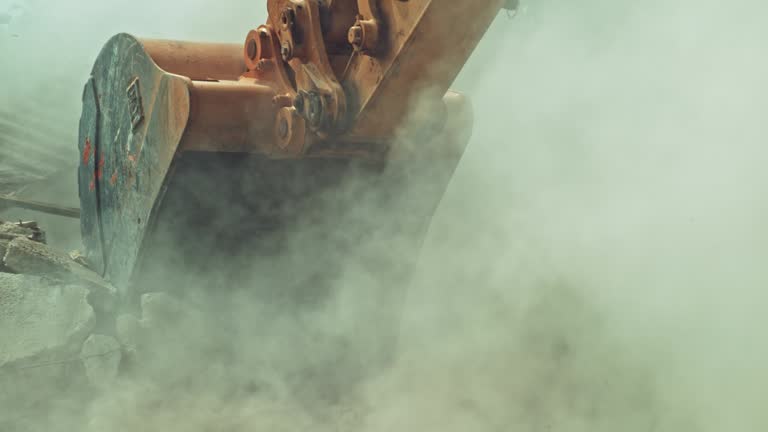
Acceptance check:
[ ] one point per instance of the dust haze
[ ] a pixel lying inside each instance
(597, 264)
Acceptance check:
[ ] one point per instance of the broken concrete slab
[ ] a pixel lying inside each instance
(25, 256)
(41, 319)
(28, 257)
(101, 357)
(29, 230)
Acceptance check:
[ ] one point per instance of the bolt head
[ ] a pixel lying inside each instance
(355, 35)
(286, 52)
(251, 49)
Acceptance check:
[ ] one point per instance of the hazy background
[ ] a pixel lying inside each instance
(598, 263)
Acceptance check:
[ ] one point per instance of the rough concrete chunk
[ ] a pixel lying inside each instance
(41, 319)
(101, 357)
(28, 257)
(29, 230)
(25, 256)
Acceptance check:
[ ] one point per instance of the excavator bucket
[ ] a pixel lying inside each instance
(167, 175)
(132, 130)
(326, 141)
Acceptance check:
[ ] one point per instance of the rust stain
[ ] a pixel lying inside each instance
(87, 151)
(100, 169)
(113, 179)
(97, 174)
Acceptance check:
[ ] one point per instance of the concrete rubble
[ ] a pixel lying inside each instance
(56, 314)
(40, 319)
(25, 256)
(72, 347)
(60, 320)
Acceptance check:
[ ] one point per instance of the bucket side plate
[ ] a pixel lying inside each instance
(134, 115)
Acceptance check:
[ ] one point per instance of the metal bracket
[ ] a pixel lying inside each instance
(303, 47)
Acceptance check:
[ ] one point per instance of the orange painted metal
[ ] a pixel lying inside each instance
(230, 116)
(196, 60)
(344, 78)
(428, 44)
(172, 130)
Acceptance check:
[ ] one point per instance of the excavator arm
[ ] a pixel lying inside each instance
(361, 66)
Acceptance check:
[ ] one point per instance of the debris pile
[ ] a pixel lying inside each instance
(58, 325)
(69, 341)
(51, 306)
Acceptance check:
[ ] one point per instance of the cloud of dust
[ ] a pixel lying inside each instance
(596, 264)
